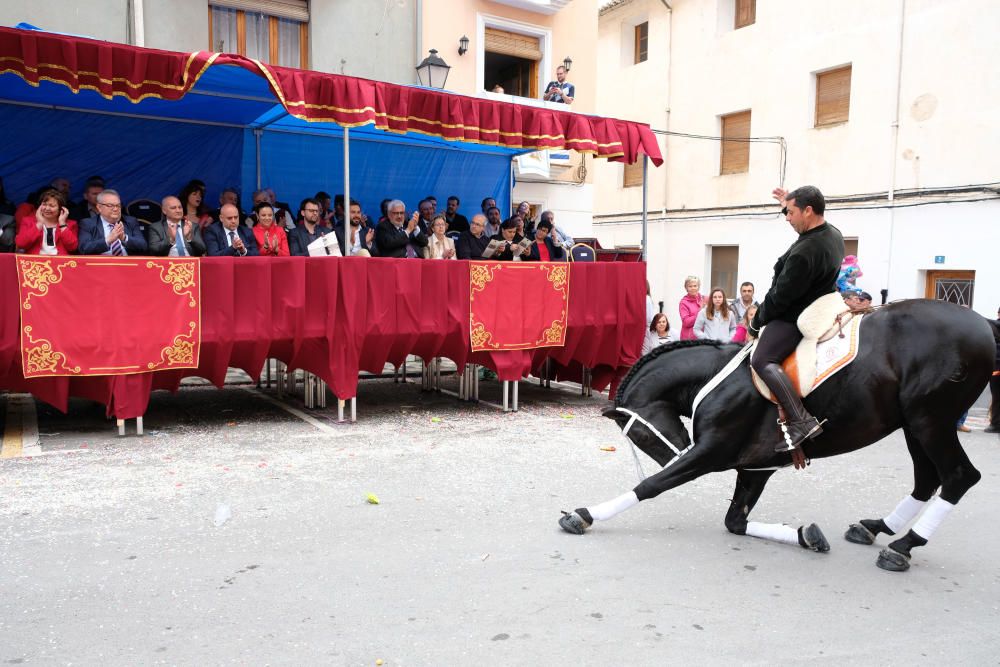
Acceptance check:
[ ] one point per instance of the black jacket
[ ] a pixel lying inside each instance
(507, 255)
(392, 240)
(807, 271)
(468, 246)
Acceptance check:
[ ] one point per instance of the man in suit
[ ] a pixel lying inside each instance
(545, 249)
(162, 236)
(308, 230)
(87, 207)
(228, 238)
(394, 239)
(472, 242)
(110, 233)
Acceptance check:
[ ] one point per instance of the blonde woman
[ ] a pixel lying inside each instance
(690, 306)
(439, 246)
(716, 320)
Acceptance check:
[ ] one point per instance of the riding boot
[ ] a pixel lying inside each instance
(800, 425)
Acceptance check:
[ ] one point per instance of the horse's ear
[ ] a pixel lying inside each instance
(610, 412)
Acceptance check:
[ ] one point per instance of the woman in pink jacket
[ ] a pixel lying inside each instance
(689, 306)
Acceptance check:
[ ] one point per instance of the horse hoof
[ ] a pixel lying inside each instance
(815, 539)
(573, 523)
(858, 534)
(893, 561)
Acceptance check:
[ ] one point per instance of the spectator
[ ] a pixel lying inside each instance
(498, 89)
(689, 306)
(228, 238)
(509, 237)
(426, 208)
(308, 230)
(384, 208)
(524, 210)
(741, 304)
(561, 237)
(63, 186)
(434, 204)
(493, 221)
(282, 211)
(744, 326)
(87, 208)
(110, 233)
(49, 231)
(650, 306)
(487, 204)
(471, 244)
(865, 300)
(362, 233)
(715, 321)
(857, 301)
(324, 206)
(272, 241)
(396, 239)
(337, 219)
(6, 205)
(544, 248)
(192, 198)
(439, 246)
(231, 196)
(658, 334)
(994, 414)
(456, 221)
(162, 236)
(560, 90)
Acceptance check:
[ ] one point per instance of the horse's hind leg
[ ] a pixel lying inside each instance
(957, 475)
(749, 486)
(925, 483)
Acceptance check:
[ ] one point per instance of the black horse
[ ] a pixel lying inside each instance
(920, 365)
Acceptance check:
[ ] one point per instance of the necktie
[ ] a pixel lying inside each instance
(179, 242)
(116, 248)
(232, 237)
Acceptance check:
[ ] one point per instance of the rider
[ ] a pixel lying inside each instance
(807, 271)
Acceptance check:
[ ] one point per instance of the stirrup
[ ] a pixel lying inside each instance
(791, 443)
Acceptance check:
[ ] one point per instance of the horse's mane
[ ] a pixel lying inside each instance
(658, 352)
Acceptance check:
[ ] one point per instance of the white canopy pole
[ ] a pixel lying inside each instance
(347, 193)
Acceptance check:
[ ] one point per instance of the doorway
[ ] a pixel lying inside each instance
(954, 286)
(517, 76)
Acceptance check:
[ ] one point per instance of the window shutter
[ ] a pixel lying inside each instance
(746, 13)
(296, 10)
(641, 43)
(512, 44)
(735, 154)
(833, 96)
(632, 176)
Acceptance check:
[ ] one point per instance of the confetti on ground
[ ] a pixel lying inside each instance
(609, 448)
(484, 557)
(372, 499)
(230, 423)
(436, 420)
(566, 415)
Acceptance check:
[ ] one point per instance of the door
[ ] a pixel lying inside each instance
(954, 286)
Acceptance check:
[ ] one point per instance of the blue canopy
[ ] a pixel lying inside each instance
(223, 131)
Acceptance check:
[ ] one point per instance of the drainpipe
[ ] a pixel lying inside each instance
(895, 143)
(670, 85)
(135, 27)
(419, 41)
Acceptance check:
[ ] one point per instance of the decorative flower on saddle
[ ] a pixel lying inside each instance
(850, 271)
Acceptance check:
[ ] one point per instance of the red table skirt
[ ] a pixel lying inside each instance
(335, 317)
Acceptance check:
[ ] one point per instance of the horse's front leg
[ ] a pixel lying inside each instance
(749, 485)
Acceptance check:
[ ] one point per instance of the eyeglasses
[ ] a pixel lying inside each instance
(111, 206)
(311, 210)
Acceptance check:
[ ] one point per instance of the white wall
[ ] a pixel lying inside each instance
(572, 204)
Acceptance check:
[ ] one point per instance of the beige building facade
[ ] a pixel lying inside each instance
(848, 96)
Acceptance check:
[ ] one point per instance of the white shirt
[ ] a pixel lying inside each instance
(179, 229)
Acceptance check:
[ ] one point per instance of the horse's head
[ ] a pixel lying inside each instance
(654, 427)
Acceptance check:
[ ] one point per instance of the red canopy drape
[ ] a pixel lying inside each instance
(137, 73)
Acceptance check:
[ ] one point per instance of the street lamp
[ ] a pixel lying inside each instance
(432, 71)
(567, 63)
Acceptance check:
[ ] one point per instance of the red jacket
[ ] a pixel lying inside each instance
(29, 237)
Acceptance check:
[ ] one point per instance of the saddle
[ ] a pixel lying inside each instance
(829, 343)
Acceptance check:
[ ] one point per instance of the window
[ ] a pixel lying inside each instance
(833, 96)
(735, 145)
(850, 247)
(746, 13)
(725, 261)
(512, 62)
(632, 176)
(641, 43)
(272, 31)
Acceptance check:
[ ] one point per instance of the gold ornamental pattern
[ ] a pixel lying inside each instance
(180, 352)
(180, 275)
(40, 358)
(38, 274)
(481, 337)
(480, 275)
(558, 276)
(555, 334)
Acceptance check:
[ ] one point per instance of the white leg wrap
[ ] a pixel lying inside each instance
(905, 511)
(606, 510)
(777, 532)
(932, 517)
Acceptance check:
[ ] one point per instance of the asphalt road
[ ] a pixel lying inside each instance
(119, 551)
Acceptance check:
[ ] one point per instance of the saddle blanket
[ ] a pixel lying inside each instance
(831, 355)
